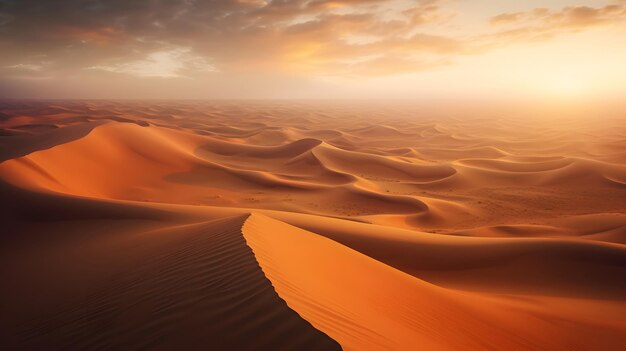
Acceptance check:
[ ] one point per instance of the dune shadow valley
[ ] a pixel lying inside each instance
(295, 225)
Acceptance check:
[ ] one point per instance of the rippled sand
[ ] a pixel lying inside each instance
(292, 225)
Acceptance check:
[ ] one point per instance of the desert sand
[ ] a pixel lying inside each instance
(300, 225)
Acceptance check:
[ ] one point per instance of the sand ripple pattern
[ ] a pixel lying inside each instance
(203, 291)
(308, 225)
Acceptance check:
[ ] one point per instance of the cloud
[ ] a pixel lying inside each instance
(542, 23)
(173, 63)
(27, 66)
(178, 38)
(237, 35)
(507, 18)
(583, 16)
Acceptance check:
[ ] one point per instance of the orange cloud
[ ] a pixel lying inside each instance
(570, 17)
(330, 37)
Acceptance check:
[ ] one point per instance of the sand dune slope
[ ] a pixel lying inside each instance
(366, 305)
(416, 173)
(192, 287)
(537, 266)
(297, 225)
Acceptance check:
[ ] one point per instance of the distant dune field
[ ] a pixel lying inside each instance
(296, 226)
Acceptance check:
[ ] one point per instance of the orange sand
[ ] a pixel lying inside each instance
(308, 226)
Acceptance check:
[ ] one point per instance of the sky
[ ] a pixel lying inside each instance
(313, 49)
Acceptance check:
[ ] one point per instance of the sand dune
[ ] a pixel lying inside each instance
(365, 304)
(191, 286)
(217, 225)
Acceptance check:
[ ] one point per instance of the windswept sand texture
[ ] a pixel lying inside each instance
(295, 226)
